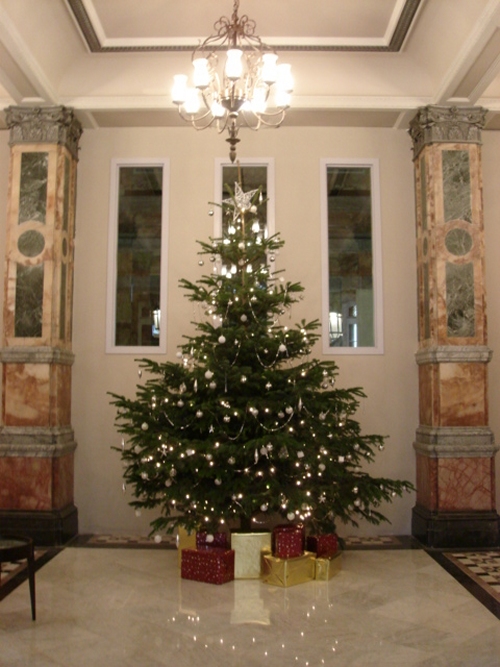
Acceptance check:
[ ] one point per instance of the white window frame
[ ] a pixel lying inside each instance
(378, 315)
(245, 162)
(111, 347)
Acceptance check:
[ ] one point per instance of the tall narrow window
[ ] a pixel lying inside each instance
(352, 301)
(137, 257)
(250, 174)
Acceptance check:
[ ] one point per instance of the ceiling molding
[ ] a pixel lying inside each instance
(92, 34)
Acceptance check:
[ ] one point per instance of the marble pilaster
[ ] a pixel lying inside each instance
(36, 439)
(455, 450)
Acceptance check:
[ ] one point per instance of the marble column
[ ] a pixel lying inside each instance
(36, 438)
(454, 446)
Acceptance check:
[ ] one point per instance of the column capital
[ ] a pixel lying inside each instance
(453, 354)
(51, 125)
(441, 124)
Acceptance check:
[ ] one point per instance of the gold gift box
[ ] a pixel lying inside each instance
(247, 553)
(288, 571)
(326, 568)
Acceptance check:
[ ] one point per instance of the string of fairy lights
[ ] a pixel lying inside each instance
(243, 295)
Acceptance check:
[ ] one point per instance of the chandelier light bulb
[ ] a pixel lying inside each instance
(234, 66)
(282, 99)
(269, 68)
(217, 109)
(179, 89)
(285, 79)
(259, 100)
(192, 103)
(201, 76)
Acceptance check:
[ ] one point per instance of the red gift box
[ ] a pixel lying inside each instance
(219, 540)
(324, 546)
(288, 541)
(212, 565)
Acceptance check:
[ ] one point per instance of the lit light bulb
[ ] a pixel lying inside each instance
(201, 75)
(179, 89)
(269, 68)
(192, 102)
(259, 99)
(234, 66)
(284, 79)
(217, 109)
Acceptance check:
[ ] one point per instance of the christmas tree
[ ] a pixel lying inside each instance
(245, 422)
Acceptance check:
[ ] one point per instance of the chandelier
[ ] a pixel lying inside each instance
(248, 89)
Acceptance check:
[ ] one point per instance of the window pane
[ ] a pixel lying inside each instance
(350, 257)
(138, 259)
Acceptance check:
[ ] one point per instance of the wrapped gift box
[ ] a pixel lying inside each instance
(288, 571)
(212, 565)
(326, 568)
(218, 540)
(324, 546)
(288, 541)
(185, 540)
(247, 553)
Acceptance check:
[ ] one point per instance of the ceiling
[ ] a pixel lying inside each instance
(364, 63)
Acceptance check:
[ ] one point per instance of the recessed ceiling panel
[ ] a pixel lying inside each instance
(170, 24)
(291, 18)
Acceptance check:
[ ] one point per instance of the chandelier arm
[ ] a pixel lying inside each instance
(273, 119)
(248, 122)
(212, 43)
(269, 119)
(221, 126)
(196, 120)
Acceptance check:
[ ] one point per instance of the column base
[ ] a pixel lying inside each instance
(46, 528)
(442, 530)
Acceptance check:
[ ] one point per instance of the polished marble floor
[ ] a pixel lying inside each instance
(120, 607)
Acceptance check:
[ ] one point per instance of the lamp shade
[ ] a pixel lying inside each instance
(234, 66)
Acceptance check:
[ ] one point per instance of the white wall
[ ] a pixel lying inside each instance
(390, 380)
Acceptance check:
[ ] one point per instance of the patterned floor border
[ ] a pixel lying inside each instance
(477, 571)
(123, 542)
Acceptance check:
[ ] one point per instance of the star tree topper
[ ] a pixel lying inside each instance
(243, 200)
